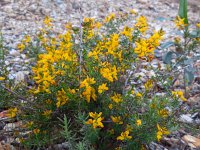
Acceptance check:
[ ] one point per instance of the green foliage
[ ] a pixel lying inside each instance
(168, 57)
(183, 10)
(1, 48)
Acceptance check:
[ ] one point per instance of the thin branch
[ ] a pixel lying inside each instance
(81, 41)
(14, 93)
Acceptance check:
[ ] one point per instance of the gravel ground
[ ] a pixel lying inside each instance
(19, 17)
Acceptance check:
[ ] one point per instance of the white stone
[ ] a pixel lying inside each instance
(187, 118)
(20, 76)
(14, 53)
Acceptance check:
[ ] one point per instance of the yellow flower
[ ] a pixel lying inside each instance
(48, 21)
(133, 92)
(198, 25)
(36, 131)
(117, 98)
(143, 147)
(146, 47)
(48, 101)
(117, 120)
(88, 81)
(72, 91)
(27, 39)
(159, 135)
(110, 17)
(21, 140)
(88, 20)
(103, 87)
(96, 121)
(141, 24)
(89, 93)
(68, 26)
(61, 98)
(177, 40)
(132, 11)
(161, 132)
(139, 95)
(138, 122)
(163, 112)
(109, 73)
(98, 25)
(2, 78)
(127, 32)
(180, 24)
(29, 124)
(110, 106)
(118, 148)
(90, 34)
(21, 47)
(47, 113)
(179, 94)
(148, 85)
(12, 112)
(124, 136)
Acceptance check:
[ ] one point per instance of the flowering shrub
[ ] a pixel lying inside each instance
(84, 74)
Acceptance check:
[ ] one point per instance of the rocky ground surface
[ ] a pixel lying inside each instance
(20, 17)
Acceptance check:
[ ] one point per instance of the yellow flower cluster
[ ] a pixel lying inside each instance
(117, 98)
(138, 95)
(43, 75)
(29, 124)
(109, 18)
(132, 11)
(141, 24)
(21, 46)
(112, 44)
(138, 122)
(161, 132)
(36, 131)
(103, 87)
(163, 112)
(61, 98)
(106, 47)
(88, 22)
(96, 51)
(89, 91)
(198, 25)
(11, 113)
(179, 94)
(48, 21)
(72, 91)
(177, 40)
(2, 78)
(89, 26)
(50, 64)
(146, 47)
(127, 31)
(124, 136)
(180, 24)
(117, 119)
(47, 113)
(109, 73)
(96, 121)
(148, 85)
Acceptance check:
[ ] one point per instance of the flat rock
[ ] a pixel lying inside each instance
(192, 141)
(186, 118)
